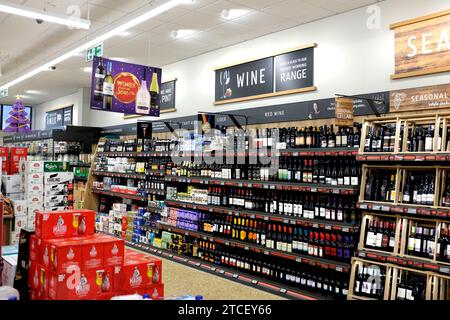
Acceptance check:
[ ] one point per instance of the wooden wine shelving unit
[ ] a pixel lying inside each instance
(437, 273)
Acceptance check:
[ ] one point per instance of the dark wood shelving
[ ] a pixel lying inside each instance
(423, 211)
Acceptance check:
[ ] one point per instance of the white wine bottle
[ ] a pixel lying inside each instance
(108, 88)
(99, 79)
(154, 92)
(143, 97)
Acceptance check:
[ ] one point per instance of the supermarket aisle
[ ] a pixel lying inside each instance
(180, 280)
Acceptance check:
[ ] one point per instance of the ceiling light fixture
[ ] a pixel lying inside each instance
(33, 92)
(179, 34)
(40, 15)
(153, 12)
(231, 14)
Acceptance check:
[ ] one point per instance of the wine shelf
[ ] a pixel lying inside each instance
(406, 209)
(230, 274)
(406, 157)
(271, 185)
(307, 152)
(328, 225)
(119, 195)
(119, 175)
(404, 261)
(313, 261)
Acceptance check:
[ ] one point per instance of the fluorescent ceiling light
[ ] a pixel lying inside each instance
(28, 12)
(89, 44)
(233, 13)
(87, 69)
(178, 34)
(33, 92)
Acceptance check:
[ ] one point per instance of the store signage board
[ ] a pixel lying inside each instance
(425, 98)
(4, 93)
(168, 96)
(422, 45)
(34, 135)
(344, 112)
(285, 73)
(59, 118)
(96, 51)
(294, 70)
(117, 86)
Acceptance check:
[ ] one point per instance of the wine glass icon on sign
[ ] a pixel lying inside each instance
(224, 81)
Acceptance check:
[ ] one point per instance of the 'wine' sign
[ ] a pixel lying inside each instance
(286, 73)
(125, 88)
(422, 45)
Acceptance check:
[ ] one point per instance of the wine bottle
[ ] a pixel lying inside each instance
(143, 97)
(108, 88)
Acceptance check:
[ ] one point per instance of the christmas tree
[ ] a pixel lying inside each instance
(18, 120)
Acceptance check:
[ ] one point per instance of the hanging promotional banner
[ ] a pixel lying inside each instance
(125, 88)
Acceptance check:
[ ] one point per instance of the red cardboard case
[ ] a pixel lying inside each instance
(64, 224)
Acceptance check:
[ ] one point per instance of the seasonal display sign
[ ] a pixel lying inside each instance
(286, 73)
(424, 98)
(125, 88)
(422, 45)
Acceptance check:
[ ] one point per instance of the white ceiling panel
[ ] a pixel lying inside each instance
(25, 44)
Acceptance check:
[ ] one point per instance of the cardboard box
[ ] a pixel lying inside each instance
(20, 222)
(12, 183)
(92, 255)
(9, 270)
(139, 271)
(61, 255)
(35, 198)
(34, 188)
(58, 189)
(113, 250)
(32, 167)
(19, 207)
(33, 178)
(84, 285)
(35, 248)
(57, 177)
(56, 166)
(58, 200)
(14, 237)
(33, 276)
(63, 224)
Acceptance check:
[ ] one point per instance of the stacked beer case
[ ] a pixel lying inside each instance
(68, 261)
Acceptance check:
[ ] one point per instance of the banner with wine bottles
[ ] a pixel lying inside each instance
(125, 87)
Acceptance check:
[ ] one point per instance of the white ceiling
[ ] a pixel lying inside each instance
(24, 43)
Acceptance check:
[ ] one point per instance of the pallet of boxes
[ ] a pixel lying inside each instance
(69, 261)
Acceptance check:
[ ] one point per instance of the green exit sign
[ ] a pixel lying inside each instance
(4, 93)
(96, 51)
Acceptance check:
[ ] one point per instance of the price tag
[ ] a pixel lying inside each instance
(239, 184)
(213, 269)
(362, 254)
(363, 206)
(282, 290)
(444, 270)
(230, 213)
(246, 248)
(385, 208)
(412, 211)
(266, 218)
(336, 191)
(170, 256)
(222, 183)
(250, 185)
(266, 252)
(227, 243)
(235, 276)
(205, 238)
(185, 260)
(272, 187)
(252, 216)
(255, 281)
(222, 271)
(328, 227)
(298, 259)
(285, 221)
(293, 222)
(198, 264)
(315, 225)
(345, 229)
(295, 154)
(313, 189)
(339, 269)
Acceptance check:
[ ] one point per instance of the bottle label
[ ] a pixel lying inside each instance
(409, 295)
(429, 144)
(355, 181)
(401, 293)
(108, 89)
(391, 242)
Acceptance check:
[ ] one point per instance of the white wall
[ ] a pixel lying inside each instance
(75, 99)
(349, 59)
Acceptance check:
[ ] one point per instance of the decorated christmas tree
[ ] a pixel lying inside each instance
(18, 120)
